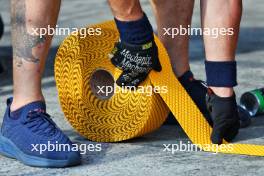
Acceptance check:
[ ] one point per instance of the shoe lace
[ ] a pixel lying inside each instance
(40, 122)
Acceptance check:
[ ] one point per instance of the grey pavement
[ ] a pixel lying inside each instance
(145, 155)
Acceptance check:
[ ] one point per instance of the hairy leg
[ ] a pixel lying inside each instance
(221, 14)
(173, 14)
(30, 49)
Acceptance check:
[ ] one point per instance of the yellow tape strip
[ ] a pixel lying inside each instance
(187, 113)
(75, 61)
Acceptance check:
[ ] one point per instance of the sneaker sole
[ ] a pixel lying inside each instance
(8, 148)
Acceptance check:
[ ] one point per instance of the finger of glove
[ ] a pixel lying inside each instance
(138, 80)
(115, 56)
(217, 133)
(232, 132)
(117, 60)
(155, 59)
(216, 137)
(156, 64)
(124, 79)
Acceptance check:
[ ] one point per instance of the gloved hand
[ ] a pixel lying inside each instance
(136, 61)
(225, 117)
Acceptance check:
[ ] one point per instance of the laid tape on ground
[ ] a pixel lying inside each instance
(125, 116)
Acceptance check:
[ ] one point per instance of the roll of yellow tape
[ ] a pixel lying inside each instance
(82, 65)
(126, 115)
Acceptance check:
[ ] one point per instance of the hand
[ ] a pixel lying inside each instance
(136, 61)
(225, 117)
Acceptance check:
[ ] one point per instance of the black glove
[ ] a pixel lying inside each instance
(136, 61)
(225, 117)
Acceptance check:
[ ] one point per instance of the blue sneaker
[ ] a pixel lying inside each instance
(35, 140)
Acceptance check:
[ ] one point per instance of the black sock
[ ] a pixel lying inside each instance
(135, 32)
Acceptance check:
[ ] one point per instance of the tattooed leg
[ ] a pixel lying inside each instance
(29, 49)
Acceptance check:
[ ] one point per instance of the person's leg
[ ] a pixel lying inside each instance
(220, 65)
(26, 122)
(132, 24)
(29, 50)
(221, 14)
(173, 14)
(176, 14)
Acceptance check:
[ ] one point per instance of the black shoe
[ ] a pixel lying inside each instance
(197, 90)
